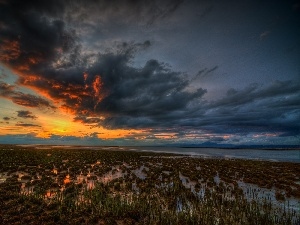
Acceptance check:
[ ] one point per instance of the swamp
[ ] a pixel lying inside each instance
(54, 185)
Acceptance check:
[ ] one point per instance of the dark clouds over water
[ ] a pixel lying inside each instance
(187, 67)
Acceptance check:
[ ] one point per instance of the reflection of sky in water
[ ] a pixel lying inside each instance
(276, 155)
(273, 155)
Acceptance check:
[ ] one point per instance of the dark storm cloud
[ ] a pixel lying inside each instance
(116, 11)
(274, 108)
(32, 34)
(20, 98)
(113, 88)
(140, 96)
(48, 7)
(49, 57)
(26, 114)
(265, 109)
(30, 100)
(104, 88)
(150, 90)
(129, 96)
(87, 120)
(254, 92)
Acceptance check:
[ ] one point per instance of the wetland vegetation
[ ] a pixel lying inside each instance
(111, 186)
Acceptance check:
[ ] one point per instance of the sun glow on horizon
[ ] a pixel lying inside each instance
(46, 122)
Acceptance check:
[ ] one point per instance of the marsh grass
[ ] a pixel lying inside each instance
(142, 188)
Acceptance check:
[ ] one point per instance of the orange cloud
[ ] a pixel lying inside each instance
(99, 92)
(165, 135)
(85, 76)
(9, 50)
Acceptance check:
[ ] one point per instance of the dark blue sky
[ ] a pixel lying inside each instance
(150, 72)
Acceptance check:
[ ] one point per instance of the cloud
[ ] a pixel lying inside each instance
(87, 120)
(30, 100)
(6, 118)
(264, 35)
(255, 108)
(9, 50)
(8, 91)
(32, 138)
(217, 139)
(205, 72)
(134, 95)
(104, 88)
(270, 109)
(21, 124)
(120, 12)
(26, 114)
(32, 34)
(254, 92)
(212, 69)
(113, 89)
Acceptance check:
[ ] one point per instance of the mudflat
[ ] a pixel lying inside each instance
(85, 186)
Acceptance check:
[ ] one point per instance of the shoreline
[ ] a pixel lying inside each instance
(278, 155)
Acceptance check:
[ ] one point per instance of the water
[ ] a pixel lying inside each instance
(278, 155)
(258, 154)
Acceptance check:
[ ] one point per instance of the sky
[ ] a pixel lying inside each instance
(152, 72)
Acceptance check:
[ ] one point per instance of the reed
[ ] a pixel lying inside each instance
(171, 190)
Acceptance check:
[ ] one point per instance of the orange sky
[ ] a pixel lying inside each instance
(162, 72)
(50, 121)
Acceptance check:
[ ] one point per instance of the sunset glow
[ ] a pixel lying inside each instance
(171, 72)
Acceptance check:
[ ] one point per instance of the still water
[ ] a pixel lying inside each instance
(259, 154)
(280, 155)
